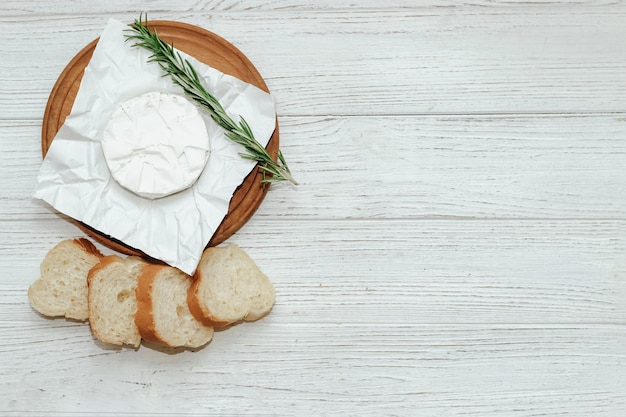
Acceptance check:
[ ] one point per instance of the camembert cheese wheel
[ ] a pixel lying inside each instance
(156, 144)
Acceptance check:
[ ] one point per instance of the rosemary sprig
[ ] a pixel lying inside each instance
(184, 75)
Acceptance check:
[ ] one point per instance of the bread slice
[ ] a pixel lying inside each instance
(61, 290)
(229, 287)
(112, 303)
(163, 316)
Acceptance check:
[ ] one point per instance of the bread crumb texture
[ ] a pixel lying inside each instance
(61, 289)
(112, 302)
(163, 315)
(127, 300)
(230, 287)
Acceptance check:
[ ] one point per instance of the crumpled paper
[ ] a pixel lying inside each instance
(74, 177)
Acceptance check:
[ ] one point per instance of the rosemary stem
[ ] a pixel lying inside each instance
(184, 75)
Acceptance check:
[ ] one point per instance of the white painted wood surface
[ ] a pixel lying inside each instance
(456, 247)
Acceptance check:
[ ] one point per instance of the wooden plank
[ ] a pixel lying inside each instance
(380, 272)
(348, 62)
(554, 166)
(444, 272)
(262, 368)
(38, 7)
(424, 167)
(85, 7)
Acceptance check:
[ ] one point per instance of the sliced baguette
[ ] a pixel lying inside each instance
(163, 316)
(229, 287)
(112, 304)
(61, 289)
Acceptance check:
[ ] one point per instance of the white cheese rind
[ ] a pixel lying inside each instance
(156, 144)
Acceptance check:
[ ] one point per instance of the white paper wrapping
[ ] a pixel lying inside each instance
(75, 179)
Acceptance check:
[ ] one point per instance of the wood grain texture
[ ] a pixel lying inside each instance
(389, 272)
(38, 7)
(390, 370)
(534, 167)
(457, 246)
(389, 61)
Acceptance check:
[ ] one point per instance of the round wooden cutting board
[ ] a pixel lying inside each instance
(204, 46)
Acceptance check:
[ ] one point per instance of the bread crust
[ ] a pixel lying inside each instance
(196, 307)
(88, 247)
(104, 262)
(144, 318)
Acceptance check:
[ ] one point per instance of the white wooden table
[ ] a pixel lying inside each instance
(457, 246)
